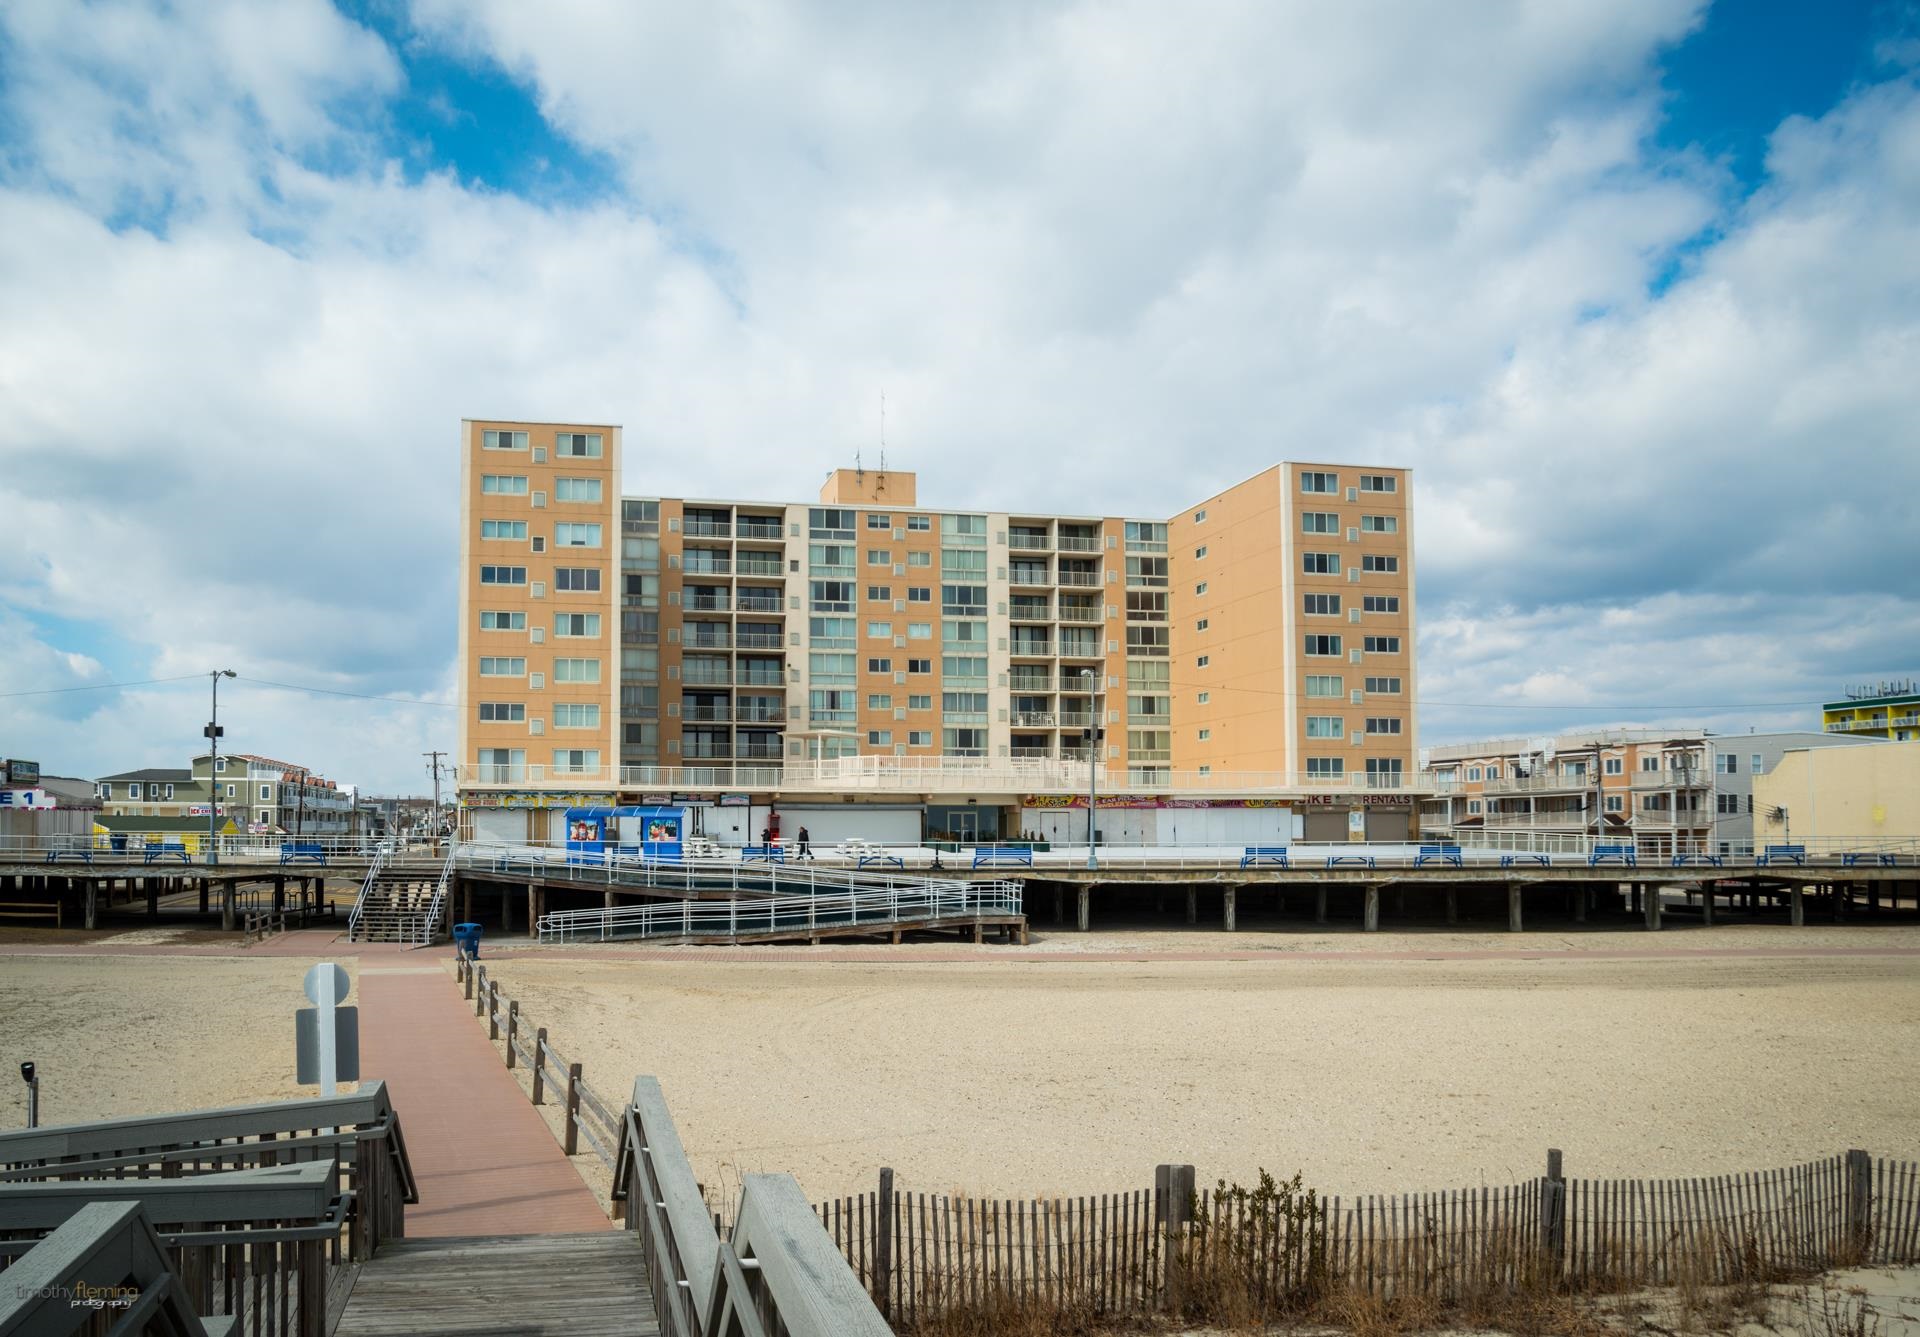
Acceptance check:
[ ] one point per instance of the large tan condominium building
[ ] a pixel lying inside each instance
(616, 647)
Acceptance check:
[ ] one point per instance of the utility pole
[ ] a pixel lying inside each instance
(434, 765)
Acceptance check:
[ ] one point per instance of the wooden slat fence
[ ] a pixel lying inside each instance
(1108, 1255)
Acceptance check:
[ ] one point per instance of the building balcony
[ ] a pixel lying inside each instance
(1031, 649)
(1033, 719)
(1024, 610)
(1071, 614)
(712, 566)
(705, 714)
(706, 529)
(1029, 541)
(1539, 784)
(1079, 543)
(748, 569)
(761, 715)
(1654, 819)
(708, 604)
(1079, 578)
(1687, 778)
(1029, 577)
(754, 601)
(749, 530)
(1568, 819)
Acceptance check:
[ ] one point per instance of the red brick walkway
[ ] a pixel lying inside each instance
(485, 1161)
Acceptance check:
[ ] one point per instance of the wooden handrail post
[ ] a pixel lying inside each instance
(572, 1125)
(539, 1065)
(493, 1010)
(883, 1244)
(513, 1024)
(480, 1000)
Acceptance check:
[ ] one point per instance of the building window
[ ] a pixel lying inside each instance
(1379, 563)
(919, 594)
(576, 715)
(919, 631)
(961, 600)
(1474, 772)
(879, 738)
(1379, 524)
(1326, 726)
(1202, 661)
(1650, 763)
(1493, 772)
(133, 790)
(1205, 697)
(1726, 803)
(1200, 517)
(568, 535)
(491, 440)
(919, 666)
(266, 792)
(879, 701)
(920, 523)
(503, 529)
(220, 764)
(1383, 724)
(1325, 605)
(879, 666)
(576, 489)
(492, 666)
(1323, 645)
(1383, 686)
(169, 792)
(503, 575)
(576, 760)
(882, 557)
(1206, 735)
(502, 712)
(1473, 807)
(1382, 645)
(1380, 603)
(875, 520)
(576, 445)
(1319, 522)
(879, 593)
(1319, 482)
(920, 738)
(501, 621)
(1201, 588)
(1727, 763)
(1323, 684)
(879, 631)
(830, 596)
(1616, 803)
(576, 579)
(1379, 483)
(1326, 767)
(1200, 552)
(919, 703)
(1320, 563)
(1615, 766)
(576, 624)
(576, 670)
(504, 485)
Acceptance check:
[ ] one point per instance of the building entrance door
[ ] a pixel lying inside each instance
(965, 827)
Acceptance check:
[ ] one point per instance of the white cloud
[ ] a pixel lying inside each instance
(1123, 254)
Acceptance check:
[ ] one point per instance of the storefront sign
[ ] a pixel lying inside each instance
(736, 801)
(26, 798)
(23, 772)
(535, 800)
(1352, 801)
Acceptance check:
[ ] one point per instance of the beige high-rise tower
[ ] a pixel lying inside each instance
(1258, 646)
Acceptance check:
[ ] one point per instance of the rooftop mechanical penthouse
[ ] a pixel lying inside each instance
(1255, 649)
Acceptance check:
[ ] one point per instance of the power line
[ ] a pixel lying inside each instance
(99, 686)
(359, 696)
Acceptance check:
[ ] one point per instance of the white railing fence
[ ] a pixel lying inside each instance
(737, 916)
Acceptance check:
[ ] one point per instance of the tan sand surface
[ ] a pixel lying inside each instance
(116, 1036)
(1017, 1077)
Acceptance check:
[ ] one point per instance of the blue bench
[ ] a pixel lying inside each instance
(1267, 854)
(763, 854)
(1714, 860)
(1874, 859)
(1536, 860)
(292, 851)
(1620, 854)
(84, 856)
(1446, 854)
(882, 857)
(1793, 854)
(170, 849)
(1360, 860)
(987, 855)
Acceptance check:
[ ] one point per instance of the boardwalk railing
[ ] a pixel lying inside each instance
(1163, 1249)
(733, 918)
(104, 1263)
(264, 1208)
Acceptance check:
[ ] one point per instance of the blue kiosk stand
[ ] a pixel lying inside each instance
(653, 835)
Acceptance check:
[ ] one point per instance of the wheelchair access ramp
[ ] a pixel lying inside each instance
(809, 916)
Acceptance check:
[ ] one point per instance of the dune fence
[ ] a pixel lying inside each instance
(1279, 1248)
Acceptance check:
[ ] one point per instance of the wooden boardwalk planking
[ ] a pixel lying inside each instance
(584, 1285)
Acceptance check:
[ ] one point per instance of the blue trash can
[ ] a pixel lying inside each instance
(466, 939)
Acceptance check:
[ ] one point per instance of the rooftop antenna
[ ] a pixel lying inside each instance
(883, 431)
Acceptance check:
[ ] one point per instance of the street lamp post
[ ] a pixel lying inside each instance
(1093, 774)
(213, 767)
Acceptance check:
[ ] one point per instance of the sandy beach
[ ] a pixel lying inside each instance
(1060, 1076)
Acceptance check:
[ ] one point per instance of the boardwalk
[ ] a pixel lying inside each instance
(486, 1162)
(581, 1285)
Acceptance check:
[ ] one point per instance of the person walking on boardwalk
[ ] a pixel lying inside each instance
(806, 850)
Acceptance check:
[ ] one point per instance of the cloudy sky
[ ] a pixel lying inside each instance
(1634, 288)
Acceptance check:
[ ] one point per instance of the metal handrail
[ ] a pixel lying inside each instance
(734, 916)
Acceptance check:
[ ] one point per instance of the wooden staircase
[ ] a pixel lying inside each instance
(399, 905)
(580, 1285)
